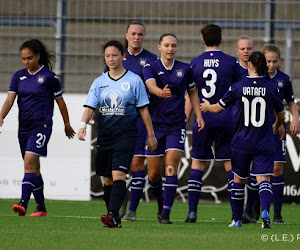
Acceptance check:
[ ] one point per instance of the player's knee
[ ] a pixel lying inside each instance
(278, 170)
(171, 170)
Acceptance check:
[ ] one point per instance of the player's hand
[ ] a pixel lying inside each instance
(152, 143)
(81, 134)
(70, 133)
(294, 127)
(204, 106)
(201, 123)
(166, 92)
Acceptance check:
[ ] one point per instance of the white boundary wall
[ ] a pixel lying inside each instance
(66, 170)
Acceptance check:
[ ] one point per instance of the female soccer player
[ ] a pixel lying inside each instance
(283, 82)
(118, 92)
(136, 58)
(168, 79)
(36, 87)
(244, 48)
(253, 100)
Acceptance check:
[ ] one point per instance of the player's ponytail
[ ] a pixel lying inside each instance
(37, 47)
(259, 62)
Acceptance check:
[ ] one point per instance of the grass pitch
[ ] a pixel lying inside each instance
(76, 225)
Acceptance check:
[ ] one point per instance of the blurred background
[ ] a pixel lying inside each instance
(77, 29)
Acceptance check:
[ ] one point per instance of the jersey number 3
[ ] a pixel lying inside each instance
(210, 83)
(250, 111)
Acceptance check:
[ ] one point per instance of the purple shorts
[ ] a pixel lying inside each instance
(203, 140)
(35, 141)
(140, 146)
(280, 149)
(168, 140)
(241, 161)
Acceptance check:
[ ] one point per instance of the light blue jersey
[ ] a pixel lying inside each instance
(117, 101)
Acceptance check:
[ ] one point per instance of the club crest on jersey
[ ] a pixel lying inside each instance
(179, 73)
(113, 104)
(280, 84)
(125, 86)
(142, 62)
(41, 79)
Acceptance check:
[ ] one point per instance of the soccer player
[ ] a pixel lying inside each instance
(167, 80)
(36, 87)
(283, 82)
(253, 100)
(244, 48)
(118, 92)
(136, 58)
(214, 72)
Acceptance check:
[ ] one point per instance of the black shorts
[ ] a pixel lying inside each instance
(116, 157)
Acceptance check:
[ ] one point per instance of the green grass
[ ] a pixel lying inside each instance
(76, 225)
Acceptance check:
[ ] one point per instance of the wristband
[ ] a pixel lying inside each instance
(82, 125)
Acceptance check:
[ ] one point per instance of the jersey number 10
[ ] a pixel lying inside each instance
(250, 111)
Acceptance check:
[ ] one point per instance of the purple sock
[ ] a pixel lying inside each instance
(28, 184)
(252, 190)
(229, 185)
(156, 188)
(38, 191)
(277, 188)
(265, 195)
(137, 187)
(171, 185)
(194, 189)
(237, 200)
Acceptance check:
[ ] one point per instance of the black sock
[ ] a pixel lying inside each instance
(117, 196)
(107, 193)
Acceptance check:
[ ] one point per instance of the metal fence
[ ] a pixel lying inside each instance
(76, 30)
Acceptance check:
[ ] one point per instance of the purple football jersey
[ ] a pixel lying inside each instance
(253, 99)
(214, 72)
(36, 94)
(169, 112)
(135, 63)
(283, 82)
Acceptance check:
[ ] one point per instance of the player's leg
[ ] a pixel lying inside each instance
(108, 184)
(138, 172)
(171, 167)
(263, 170)
(194, 188)
(277, 188)
(277, 178)
(154, 166)
(137, 186)
(201, 153)
(38, 193)
(121, 156)
(28, 182)
(240, 167)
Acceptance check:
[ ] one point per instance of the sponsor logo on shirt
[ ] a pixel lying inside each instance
(160, 73)
(113, 104)
(179, 73)
(143, 62)
(41, 79)
(23, 77)
(125, 86)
